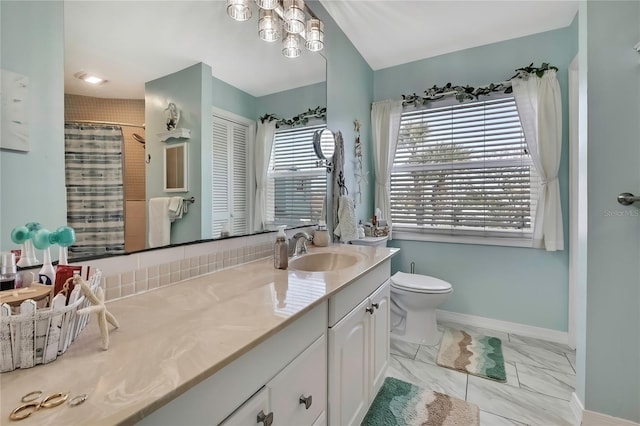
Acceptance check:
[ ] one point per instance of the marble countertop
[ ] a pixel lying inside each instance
(172, 338)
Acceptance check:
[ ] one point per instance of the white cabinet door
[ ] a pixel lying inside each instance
(299, 392)
(349, 367)
(379, 337)
(248, 412)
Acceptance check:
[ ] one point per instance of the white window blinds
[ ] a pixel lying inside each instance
(297, 186)
(463, 169)
(229, 181)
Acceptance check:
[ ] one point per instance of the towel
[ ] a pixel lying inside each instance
(176, 208)
(347, 228)
(159, 222)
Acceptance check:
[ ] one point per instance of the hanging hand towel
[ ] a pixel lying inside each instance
(347, 228)
(159, 222)
(176, 208)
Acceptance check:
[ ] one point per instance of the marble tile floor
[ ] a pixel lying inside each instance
(540, 379)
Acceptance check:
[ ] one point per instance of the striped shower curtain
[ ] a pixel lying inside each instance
(95, 192)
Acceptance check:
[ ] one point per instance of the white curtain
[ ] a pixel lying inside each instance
(385, 124)
(540, 109)
(264, 142)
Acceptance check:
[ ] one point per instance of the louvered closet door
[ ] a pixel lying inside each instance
(229, 177)
(239, 188)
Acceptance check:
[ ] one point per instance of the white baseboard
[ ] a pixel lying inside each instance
(591, 418)
(505, 326)
(576, 408)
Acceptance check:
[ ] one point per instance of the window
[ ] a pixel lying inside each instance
(297, 185)
(464, 170)
(229, 187)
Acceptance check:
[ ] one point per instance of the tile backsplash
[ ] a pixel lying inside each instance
(145, 271)
(139, 272)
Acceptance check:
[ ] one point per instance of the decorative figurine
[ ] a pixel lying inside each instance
(173, 116)
(99, 308)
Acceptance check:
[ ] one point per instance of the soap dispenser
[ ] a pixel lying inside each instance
(281, 249)
(321, 235)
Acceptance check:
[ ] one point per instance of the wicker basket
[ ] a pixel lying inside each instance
(38, 336)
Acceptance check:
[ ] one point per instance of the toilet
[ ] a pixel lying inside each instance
(414, 300)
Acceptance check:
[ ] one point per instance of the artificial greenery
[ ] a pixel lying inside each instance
(468, 93)
(299, 120)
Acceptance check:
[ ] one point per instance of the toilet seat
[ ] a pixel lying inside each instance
(419, 283)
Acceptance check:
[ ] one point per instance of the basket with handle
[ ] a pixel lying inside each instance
(38, 336)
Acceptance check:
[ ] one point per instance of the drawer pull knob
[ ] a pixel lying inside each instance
(375, 305)
(265, 419)
(369, 309)
(306, 400)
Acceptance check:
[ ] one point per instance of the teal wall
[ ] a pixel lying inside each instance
(520, 285)
(613, 280)
(349, 97)
(290, 103)
(185, 89)
(32, 184)
(230, 99)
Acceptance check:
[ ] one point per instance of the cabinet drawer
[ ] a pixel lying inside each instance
(248, 412)
(305, 377)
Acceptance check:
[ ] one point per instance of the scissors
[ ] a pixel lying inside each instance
(32, 403)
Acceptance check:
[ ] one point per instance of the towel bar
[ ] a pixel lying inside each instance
(190, 200)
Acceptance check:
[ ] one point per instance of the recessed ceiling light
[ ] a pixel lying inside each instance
(93, 79)
(88, 78)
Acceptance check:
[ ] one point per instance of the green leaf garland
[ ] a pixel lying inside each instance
(468, 93)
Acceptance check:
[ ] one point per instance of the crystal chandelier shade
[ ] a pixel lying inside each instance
(267, 4)
(269, 25)
(286, 19)
(314, 35)
(291, 46)
(294, 17)
(240, 10)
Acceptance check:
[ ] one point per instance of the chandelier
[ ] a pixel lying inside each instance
(283, 19)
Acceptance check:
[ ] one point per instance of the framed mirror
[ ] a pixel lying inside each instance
(79, 41)
(175, 168)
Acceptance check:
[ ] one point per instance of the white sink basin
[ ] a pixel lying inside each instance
(321, 262)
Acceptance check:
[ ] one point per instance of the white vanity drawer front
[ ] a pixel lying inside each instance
(321, 420)
(305, 377)
(341, 303)
(248, 412)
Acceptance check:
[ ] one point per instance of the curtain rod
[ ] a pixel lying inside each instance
(112, 123)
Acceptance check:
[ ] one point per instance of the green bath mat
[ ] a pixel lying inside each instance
(472, 353)
(400, 403)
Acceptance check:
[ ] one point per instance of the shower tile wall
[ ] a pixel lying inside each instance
(121, 111)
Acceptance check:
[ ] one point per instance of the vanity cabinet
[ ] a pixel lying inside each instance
(272, 377)
(349, 366)
(358, 347)
(380, 335)
(295, 396)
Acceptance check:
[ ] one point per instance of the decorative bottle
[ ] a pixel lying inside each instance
(281, 249)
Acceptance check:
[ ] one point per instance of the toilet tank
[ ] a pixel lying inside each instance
(371, 241)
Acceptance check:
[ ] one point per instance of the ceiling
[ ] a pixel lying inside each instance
(394, 32)
(131, 42)
(144, 40)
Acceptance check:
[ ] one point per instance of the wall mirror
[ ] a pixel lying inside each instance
(324, 144)
(175, 168)
(147, 42)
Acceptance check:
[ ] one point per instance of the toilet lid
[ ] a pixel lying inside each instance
(419, 283)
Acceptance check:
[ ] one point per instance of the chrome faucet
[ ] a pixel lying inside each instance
(295, 248)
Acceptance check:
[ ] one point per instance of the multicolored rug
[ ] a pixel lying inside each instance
(472, 353)
(400, 403)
